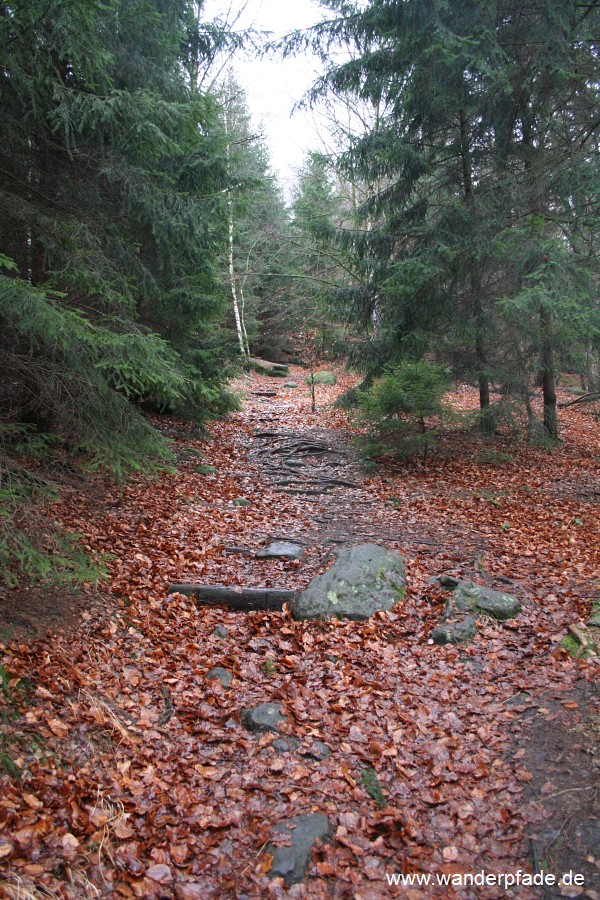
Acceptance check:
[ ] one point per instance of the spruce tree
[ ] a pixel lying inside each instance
(487, 128)
(112, 218)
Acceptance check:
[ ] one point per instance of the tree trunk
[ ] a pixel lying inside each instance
(548, 374)
(237, 311)
(484, 383)
(474, 274)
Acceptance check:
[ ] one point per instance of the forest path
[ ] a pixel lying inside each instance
(555, 744)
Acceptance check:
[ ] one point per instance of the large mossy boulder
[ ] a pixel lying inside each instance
(364, 579)
(470, 597)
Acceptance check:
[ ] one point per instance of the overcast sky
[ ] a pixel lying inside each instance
(274, 86)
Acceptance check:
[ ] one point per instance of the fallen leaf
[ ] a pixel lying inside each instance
(160, 873)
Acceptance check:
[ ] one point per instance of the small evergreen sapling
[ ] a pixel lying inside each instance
(403, 410)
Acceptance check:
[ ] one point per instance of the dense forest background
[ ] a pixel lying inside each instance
(147, 252)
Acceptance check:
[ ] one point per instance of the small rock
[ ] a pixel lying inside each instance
(317, 750)
(499, 606)
(594, 620)
(285, 745)
(291, 863)
(281, 550)
(205, 470)
(220, 674)
(447, 581)
(468, 596)
(242, 501)
(460, 632)
(474, 665)
(221, 632)
(262, 718)
(290, 384)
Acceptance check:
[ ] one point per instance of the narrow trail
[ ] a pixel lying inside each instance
(135, 776)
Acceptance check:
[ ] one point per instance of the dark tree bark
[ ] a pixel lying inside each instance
(474, 276)
(548, 374)
(243, 599)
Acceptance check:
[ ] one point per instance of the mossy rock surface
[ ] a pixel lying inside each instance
(205, 470)
(470, 597)
(321, 378)
(363, 580)
(594, 619)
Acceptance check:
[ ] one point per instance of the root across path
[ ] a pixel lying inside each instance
(154, 747)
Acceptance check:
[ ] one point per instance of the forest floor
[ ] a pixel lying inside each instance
(126, 772)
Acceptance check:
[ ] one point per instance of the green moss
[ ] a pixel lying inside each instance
(371, 784)
(399, 589)
(321, 378)
(269, 666)
(572, 647)
(9, 766)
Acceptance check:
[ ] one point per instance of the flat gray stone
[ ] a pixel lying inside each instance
(242, 501)
(262, 718)
(281, 550)
(474, 665)
(460, 632)
(468, 596)
(221, 632)
(220, 674)
(286, 744)
(364, 579)
(291, 863)
(290, 384)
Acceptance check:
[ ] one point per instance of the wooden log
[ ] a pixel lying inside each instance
(242, 599)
